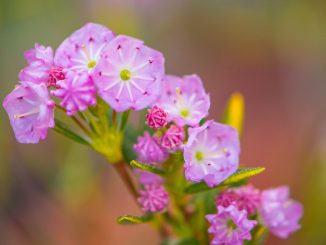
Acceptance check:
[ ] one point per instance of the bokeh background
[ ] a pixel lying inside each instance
(273, 51)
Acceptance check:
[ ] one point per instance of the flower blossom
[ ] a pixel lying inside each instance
(153, 198)
(230, 226)
(129, 74)
(77, 92)
(211, 153)
(81, 51)
(245, 197)
(41, 68)
(173, 138)
(184, 99)
(279, 213)
(31, 112)
(156, 117)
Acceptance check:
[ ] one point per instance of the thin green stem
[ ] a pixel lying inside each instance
(76, 120)
(120, 167)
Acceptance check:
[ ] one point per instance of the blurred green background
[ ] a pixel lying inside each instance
(273, 51)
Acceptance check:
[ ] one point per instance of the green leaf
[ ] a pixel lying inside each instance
(189, 241)
(239, 175)
(147, 168)
(62, 128)
(234, 112)
(129, 139)
(124, 119)
(132, 220)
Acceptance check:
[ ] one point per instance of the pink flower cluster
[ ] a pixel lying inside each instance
(277, 211)
(92, 60)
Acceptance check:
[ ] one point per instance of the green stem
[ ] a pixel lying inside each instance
(120, 167)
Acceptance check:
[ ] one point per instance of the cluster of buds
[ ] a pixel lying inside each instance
(97, 78)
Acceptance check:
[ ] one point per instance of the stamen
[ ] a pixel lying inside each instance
(32, 112)
(91, 63)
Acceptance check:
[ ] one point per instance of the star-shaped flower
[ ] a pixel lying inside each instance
(211, 153)
(184, 99)
(81, 51)
(31, 112)
(129, 74)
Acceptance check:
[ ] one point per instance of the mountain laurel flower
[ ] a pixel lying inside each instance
(173, 138)
(153, 198)
(156, 117)
(279, 213)
(129, 74)
(211, 153)
(40, 67)
(148, 150)
(184, 99)
(230, 226)
(77, 92)
(81, 51)
(245, 197)
(31, 112)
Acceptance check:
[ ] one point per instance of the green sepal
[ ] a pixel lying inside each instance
(147, 168)
(133, 220)
(238, 176)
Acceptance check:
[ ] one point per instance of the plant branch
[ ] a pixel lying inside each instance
(120, 167)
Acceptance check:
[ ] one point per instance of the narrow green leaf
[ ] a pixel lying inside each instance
(147, 168)
(242, 174)
(62, 128)
(132, 220)
(239, 175)
(234, 112)
(124, 119)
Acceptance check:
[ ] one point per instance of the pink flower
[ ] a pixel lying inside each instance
(129, 74)
(76, 91)
(40, 67)
(230, 226)
(173, 138)
(81, 51)
(153, 198)
(31, 112)
(147, 177)
(245, 197)
(156, 117)
(279, 213)
(184, 99)
(148, 150)
(211, 153)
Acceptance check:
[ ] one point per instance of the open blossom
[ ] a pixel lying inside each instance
(245, 197)
(77, 92)
(173, 138)
(211, 153)
(148, 150)
(40, 67)
(129, 74)
(279, 213)
(230, 226)
(153, 198)
(31, 112)
(184, 99)
(156, 117)
(81, 51)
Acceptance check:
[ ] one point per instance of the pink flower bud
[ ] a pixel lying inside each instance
(156, 117)
(173, 138)
(153, 198)
(55, 74)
